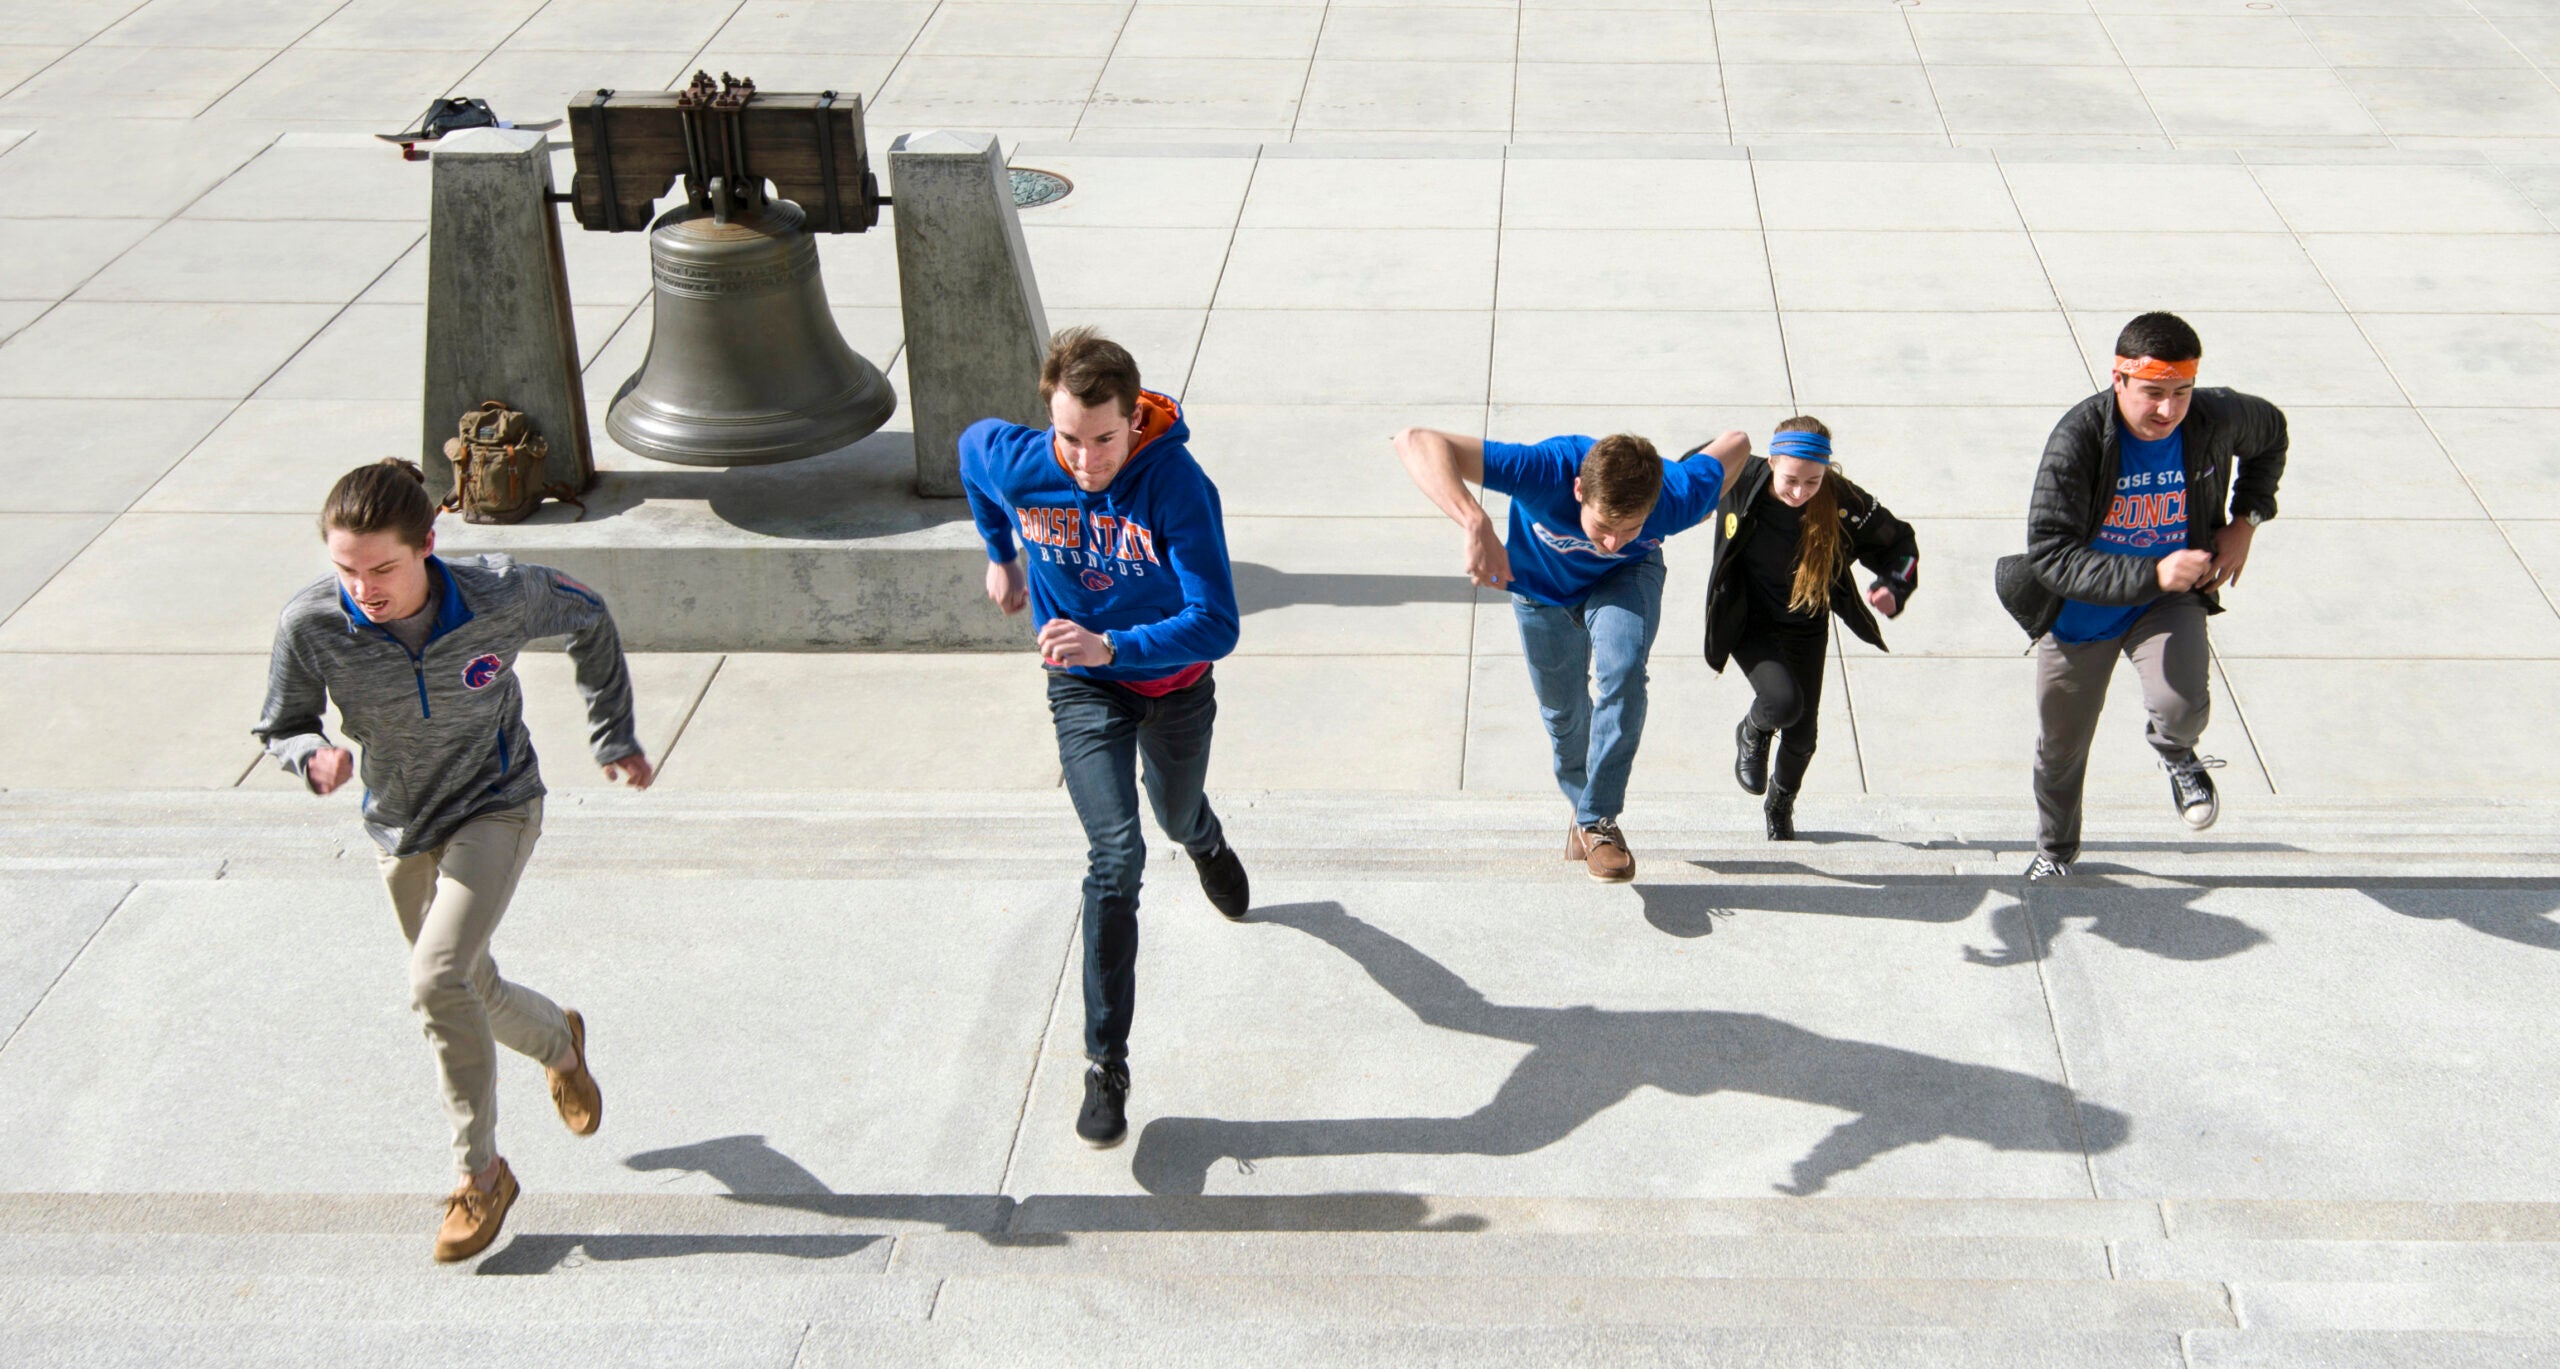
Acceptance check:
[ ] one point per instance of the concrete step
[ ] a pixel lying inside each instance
(1019, 835)
(141, 1342)
(1114, 1343)
(2261, 1349)
(1568, 1300)
(1494, 1254)
(2121, 1221)
(1082, 1343)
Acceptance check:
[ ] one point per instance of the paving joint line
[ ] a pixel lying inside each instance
(1235, 231)
(2330, 66)
(2043, 950)
(2356, 320)
(2135, 78)
(1769, 266)
(1475, 593)
(904, 53)
(1848, 702)
(1306, 81)
(227, 415)
(130, 888)
(692, 707)
(82, 45)
(232, 89)
(694, 61)
(1946, 129)
(1039, 1055)
(1121, 30)
(2089, 372)
(496, 48)
(2250, 734)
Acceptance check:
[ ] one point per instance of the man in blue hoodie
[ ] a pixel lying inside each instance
(1123, 559)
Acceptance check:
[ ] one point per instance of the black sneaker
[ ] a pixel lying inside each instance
(2191, 789)
(1751, 757)
(2045, 867)
(1222, 878)
(1780, 810)
(1105, 1119)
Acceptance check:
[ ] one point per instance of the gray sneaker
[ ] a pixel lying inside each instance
(2045, 868)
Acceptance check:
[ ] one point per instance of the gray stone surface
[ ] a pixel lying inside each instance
(1317, 226)
(835, 552)
(2290, 1069)
(833, 1096)
(498, 319)
(975, 327)
(45, 924)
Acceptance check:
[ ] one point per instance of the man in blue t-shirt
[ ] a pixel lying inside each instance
(2146, 504)
(1583, 562)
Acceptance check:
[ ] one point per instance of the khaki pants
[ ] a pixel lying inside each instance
(449, 901)
(2169, 652)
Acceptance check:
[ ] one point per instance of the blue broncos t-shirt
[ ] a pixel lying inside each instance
(1552, 561)
(2147, 517)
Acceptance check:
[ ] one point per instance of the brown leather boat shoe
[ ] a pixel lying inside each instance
(1602, 850)
(472, 1218)
(574, 1090)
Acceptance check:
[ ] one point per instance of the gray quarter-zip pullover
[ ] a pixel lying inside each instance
(442, 728)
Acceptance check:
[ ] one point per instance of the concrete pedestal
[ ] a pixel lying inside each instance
(975, 329)
(498, 322)
(833, 553)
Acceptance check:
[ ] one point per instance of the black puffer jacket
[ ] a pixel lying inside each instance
(1878, 540)
(2224, 429)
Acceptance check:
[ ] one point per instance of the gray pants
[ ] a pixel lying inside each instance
(2168, 649)
(449, 901)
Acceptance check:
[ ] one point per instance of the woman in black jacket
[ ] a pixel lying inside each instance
(1786, 534)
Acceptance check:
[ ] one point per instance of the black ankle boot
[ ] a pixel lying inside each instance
(1751, 757)
(1780, 810)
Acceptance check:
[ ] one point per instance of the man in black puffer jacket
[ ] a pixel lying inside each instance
(2148, 498)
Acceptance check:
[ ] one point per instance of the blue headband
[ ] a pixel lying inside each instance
(1803, 446)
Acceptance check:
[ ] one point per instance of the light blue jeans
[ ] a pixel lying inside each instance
(1601, 641)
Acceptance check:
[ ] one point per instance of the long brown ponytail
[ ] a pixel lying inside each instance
(1821, 546)
(388, 496)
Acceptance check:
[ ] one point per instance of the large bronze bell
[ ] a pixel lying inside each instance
(745, 365)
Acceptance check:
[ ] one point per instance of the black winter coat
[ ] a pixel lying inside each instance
(2076, 483)
(1878, 540)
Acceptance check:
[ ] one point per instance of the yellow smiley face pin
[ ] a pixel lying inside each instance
(1732, 525)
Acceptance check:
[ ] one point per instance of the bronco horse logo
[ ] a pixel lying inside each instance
(482, 670)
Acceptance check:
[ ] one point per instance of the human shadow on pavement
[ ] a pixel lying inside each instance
(2157, 921)
(2153, 918)
(750, 1169)
(1259, 587)
(1584, 1060)
(757, 1175)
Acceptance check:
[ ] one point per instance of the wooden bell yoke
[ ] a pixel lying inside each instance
(726, 140)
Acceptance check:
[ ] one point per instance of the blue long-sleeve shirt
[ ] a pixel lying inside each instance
(1144, 558)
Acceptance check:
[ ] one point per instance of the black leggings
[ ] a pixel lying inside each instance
(1783, 661)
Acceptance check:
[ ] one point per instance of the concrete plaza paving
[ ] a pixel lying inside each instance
(2274, 1096)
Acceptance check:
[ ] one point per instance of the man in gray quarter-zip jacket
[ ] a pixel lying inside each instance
(442, 727)
(419, 655)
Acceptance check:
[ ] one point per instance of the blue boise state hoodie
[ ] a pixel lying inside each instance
(1144, 558)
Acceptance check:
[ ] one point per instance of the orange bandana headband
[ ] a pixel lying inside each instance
(2152, 368)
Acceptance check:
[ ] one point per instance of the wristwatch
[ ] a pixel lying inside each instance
(2254, 517)
(1110, 650)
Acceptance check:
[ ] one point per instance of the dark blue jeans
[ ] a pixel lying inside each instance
(1104, 730)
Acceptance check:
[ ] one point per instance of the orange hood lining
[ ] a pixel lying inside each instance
(1156, 414)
